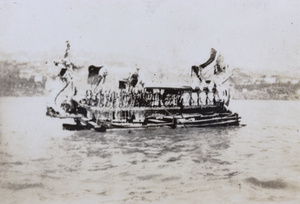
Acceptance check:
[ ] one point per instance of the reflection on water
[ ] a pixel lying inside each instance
(41, 163)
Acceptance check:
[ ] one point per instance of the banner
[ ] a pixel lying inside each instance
(212, 57)
(94, 77)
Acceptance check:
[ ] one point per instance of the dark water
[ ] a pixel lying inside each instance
(258, 163)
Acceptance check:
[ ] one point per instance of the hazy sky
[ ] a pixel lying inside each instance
(256, 34)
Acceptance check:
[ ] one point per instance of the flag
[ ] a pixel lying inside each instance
(62, 72)
(94, 77)
(212, 57)
(122, 84)
(134, 79)
(196, 70)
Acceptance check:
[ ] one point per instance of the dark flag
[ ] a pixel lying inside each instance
(196, 70)
(94, 77)
(62, 72)
(134, 79)
(212, 57)
(122, 84)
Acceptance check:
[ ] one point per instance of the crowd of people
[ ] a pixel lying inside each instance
(150, 98)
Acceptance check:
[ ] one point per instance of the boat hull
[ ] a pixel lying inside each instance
(157, 117)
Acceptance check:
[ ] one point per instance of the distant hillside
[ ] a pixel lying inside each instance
(261, 86)
(29, 79)
(20, 79)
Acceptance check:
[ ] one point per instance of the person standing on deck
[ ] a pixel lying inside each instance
(186, 98)
(210, 94)
(202, 94)
(194, 97)
(216, 95)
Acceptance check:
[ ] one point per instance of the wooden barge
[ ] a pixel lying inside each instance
(102, 119)
(133, 105)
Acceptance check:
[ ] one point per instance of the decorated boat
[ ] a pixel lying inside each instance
(133, 103)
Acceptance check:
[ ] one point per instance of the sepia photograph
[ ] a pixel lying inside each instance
(149, 101)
